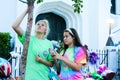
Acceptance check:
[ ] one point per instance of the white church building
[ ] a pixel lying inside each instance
(93, 24)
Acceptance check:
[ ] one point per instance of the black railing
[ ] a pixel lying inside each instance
(102, 54)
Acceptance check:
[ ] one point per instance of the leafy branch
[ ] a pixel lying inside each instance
(78, 4)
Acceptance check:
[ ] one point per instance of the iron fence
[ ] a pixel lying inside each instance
(102, 54)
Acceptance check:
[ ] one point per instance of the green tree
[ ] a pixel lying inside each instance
(78, 4)
(5, 44)
(77, 8)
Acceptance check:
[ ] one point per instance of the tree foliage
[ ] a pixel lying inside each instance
(5, 45)
(78, 4)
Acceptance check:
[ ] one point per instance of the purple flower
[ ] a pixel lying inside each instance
(93, 57)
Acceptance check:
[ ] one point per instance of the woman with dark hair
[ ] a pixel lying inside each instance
(72, 57)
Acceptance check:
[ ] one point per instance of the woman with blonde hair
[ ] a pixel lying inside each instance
(38, 58)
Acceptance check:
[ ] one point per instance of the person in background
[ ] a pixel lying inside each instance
(38, 58)
(72, 58)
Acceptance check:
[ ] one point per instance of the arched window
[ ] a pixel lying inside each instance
(113, 7)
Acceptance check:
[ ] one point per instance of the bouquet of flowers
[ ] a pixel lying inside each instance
(93, 57)
(105, 73)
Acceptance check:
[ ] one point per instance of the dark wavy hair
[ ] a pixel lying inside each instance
(74, 34)
(77, 41)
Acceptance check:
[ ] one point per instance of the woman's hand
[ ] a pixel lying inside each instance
(57, 56)
(38, 58)
(52, 52)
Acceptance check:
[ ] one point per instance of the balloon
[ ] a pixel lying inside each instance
(5, 67)
(101, 68)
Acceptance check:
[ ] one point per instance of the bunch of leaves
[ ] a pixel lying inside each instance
(5, 45)
(39, 1)
(78, 4)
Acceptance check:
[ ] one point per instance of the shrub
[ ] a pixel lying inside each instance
(5, 45)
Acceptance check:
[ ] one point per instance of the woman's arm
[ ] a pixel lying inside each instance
(47, 63)
(16, 24)
(71, 64)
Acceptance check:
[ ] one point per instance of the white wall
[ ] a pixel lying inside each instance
(118, 7)
(90, 23)
(116, 29)
(7, 15)
(9, 12)
(94, 17)
(103, 26)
